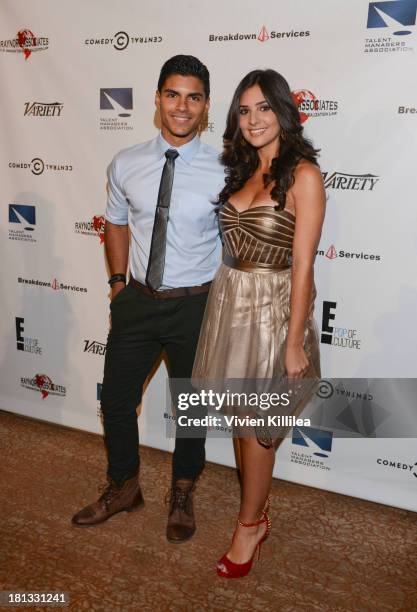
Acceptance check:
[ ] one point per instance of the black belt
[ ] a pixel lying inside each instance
(165, 294)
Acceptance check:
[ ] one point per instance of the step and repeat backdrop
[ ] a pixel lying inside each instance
(79, 80)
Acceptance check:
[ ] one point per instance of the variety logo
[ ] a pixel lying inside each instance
(396, 16)
(92, 346)
(337, 336)
(410, 468)
(262, 36)
(24, 343)
(43, 384)
(332, 253)
(352, 182)
(116, 102)
(315, 443)
(310, 106)
(95, 227)
(121, 40)
(54, 284)
(43, 109)
(37, 166)
(25, 42)
(22, 217)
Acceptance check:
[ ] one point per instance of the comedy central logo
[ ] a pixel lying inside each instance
(395, 17)
(332, 253)
(93, 227)
(22, 219)
(262, 36)
(25, 42)
(43, 384)
(309, 105)
(121, 40)
(37, 166)
(115, 104)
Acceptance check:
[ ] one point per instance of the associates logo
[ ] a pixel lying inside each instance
(121, 40)
(262, 36)
(116, 102)
(22, 220)
(94, 227)
(43, 109)
(332, 253)
(343, 337)
(396, 19)
(25, 42)
(350, 182)
(398, 465)
(26, 343)
(37, 166)
(55, 284)
(43, 383)
(309, 105)
(95, 347)
(310, 443)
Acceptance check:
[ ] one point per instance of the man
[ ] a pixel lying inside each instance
(173, 258)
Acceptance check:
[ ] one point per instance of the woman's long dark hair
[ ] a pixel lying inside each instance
(241, 159)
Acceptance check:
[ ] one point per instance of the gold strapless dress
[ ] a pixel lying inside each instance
(245, 326)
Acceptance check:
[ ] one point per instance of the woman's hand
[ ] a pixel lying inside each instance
(296, 362)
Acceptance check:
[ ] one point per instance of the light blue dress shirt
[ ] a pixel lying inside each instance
(193, 246)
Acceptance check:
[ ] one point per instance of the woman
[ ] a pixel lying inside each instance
(258, 322)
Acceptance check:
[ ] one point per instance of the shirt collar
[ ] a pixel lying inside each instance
(187, 152)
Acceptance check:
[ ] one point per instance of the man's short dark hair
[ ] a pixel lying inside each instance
(186, 65)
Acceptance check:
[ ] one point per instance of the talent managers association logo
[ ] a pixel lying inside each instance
(25, 42)
(396, 16)
(115, 102)
(262, 36)
(22, 218)
(309, 443)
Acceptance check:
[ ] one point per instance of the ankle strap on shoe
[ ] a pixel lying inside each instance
(263, 519)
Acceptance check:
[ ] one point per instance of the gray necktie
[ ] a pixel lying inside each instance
(156, 262)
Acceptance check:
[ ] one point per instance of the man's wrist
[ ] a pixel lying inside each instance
(117, 278)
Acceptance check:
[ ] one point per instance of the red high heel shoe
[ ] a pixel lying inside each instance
(227, 568)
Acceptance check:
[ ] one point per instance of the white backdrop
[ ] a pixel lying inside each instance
(78, 85)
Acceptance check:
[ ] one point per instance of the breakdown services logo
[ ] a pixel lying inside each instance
(332, 253)
(43, 384)
(309, 105)
(116, 103)
(43, 109)
(37, 166)
(351, 182)
(262, 36)
(395, 19)
(55, 284)
(94, 227)
(407, 110)
(24, 343)
(310, 443)
(25, 42)
(121, 40)
(337, 336)
(95, 347)
(22, 218)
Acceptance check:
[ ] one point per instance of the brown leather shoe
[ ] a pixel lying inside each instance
(126, 497)
(181, 523)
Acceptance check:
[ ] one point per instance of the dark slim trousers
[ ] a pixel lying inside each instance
(143, 327)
